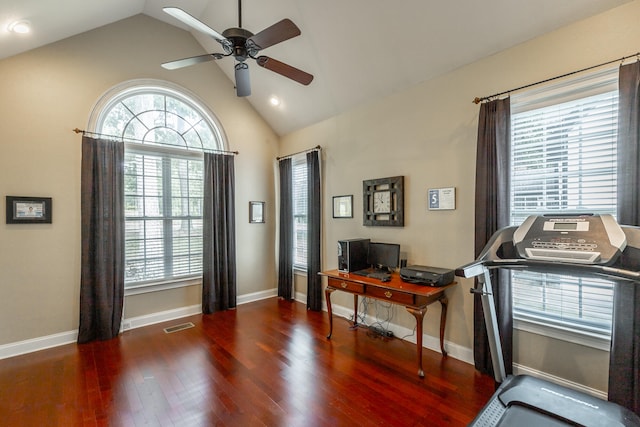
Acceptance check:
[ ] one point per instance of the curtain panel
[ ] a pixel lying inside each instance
(492, 213)
(314, 215)
(624, 360)
(102, 234)
(285, 244)
(219, 287)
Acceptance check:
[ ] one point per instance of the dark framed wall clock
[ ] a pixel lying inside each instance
(383, 201)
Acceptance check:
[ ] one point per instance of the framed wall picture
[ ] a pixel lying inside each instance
(256, 212)
(28, 210)
(343, 206)
(383, 202)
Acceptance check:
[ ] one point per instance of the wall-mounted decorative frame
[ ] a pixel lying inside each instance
(256, 212)
(28, 210)
(343, 206)
(441, 199)
(383, 201)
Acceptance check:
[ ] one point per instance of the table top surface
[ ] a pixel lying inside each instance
(395, 283)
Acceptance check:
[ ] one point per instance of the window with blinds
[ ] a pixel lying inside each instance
(563, 160)
(165, 133)
(299, 177)
(163, 216)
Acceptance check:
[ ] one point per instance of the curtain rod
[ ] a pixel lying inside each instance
(119, 138)
(316, 148)
(486, 98)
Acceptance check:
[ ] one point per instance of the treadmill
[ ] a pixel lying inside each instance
(578, 244)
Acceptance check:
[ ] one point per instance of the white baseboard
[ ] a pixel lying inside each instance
(161, 316)
(257, 296)
(37, 344)
(70, 337)
(524, 370)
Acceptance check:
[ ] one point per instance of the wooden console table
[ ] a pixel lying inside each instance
(415, 298)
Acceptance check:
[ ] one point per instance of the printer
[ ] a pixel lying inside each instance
(424, 275)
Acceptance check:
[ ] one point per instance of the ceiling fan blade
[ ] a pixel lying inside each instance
(285, 70)
(194, 23)
(181, 63)
(278, 32)
(243, 83)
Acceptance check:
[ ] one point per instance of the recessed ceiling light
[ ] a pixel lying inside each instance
(20, 27)
(274, 101)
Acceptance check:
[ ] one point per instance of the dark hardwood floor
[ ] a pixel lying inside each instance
(267, 363)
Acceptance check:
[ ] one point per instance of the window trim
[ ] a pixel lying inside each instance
(162, 285)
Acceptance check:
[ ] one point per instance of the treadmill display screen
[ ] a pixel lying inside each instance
(565, 225)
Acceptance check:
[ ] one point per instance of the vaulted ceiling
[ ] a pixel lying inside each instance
(357, 50)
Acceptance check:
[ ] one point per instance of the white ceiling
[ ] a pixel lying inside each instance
(358, 50)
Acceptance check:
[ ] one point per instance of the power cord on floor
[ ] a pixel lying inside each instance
(379, 327)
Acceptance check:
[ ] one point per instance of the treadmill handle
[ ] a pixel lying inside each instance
(477, 267)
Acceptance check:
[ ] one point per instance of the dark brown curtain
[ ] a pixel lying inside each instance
(102, 234)
(219, 234)
(624, 360)
(314, 218)
(285, 246)
(491, 214)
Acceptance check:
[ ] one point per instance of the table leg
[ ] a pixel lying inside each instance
(355, 310)
(418, 313)
(327, 295)
(444, 302)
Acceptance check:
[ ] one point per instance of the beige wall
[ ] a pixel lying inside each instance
(428, 134)
(49, 91)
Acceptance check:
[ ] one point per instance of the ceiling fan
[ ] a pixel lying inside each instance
(242, 44)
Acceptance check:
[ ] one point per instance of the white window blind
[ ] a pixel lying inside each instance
(563, 160)
(163, 216)
(299, 177)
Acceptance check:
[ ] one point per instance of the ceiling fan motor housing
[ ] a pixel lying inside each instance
(238, 38)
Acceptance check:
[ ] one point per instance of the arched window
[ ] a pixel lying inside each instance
(165, 131)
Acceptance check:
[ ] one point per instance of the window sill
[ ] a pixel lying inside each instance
(587, 339)
(162, 286)
(300, 271)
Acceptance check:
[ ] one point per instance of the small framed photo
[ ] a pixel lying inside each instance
(28, 210)
(343, 206)
(256, 212)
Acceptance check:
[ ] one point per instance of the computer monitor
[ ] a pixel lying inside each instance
(384, 256)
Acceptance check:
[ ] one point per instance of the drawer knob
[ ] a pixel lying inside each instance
(388, 294)
(344, 285)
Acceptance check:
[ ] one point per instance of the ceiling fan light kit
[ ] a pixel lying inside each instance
(243, 82)
(242, 44)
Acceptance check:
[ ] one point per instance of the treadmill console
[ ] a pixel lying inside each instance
(582, 238)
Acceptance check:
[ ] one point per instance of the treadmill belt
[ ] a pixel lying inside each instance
(525, 401)
(524, 417)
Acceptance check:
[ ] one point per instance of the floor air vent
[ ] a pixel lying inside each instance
(179, 327)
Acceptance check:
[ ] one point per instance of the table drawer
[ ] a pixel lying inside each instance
(391, 295)
(346, 285)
